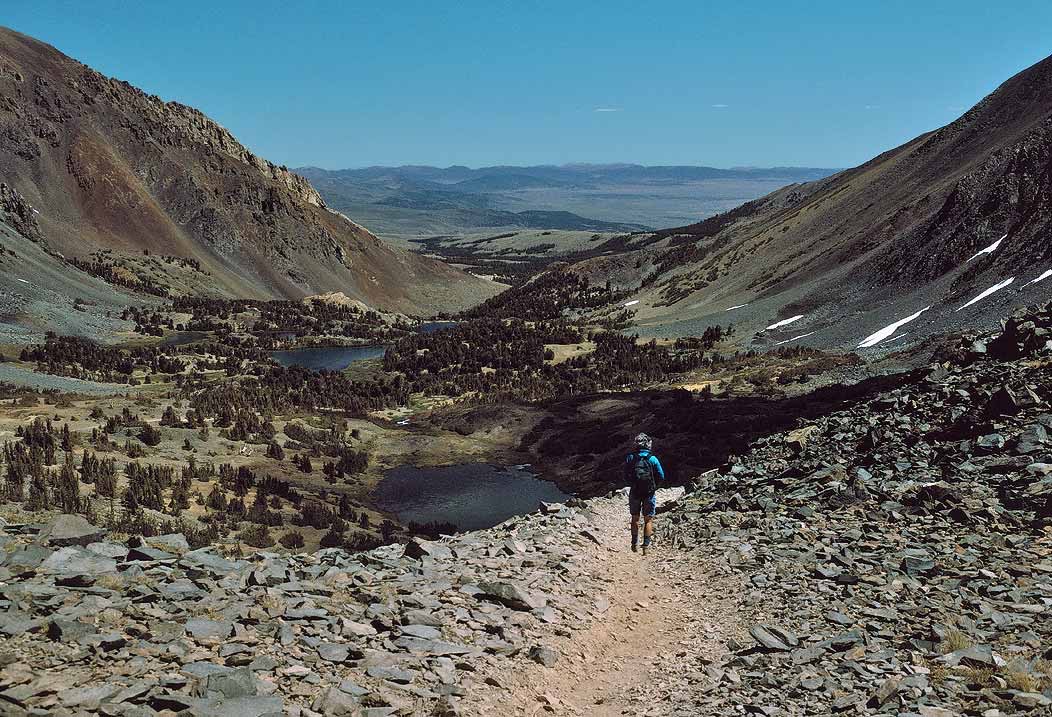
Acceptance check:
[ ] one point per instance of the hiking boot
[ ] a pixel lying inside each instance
(646, 544)
(634, 547)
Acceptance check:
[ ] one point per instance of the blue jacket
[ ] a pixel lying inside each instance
(659, 472)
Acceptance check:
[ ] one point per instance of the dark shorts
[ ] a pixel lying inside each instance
(645, 504)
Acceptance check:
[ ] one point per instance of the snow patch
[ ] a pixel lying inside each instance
(991, 290)
(1040, 278)
(632, 303)
(889, 330)
(988, 250)
(784, 322)
(795, 338)
(23, 281)
(739, 306)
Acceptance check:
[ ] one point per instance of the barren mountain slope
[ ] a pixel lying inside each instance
(110, 167)
(875, 244)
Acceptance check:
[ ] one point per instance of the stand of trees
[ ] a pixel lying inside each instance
(506, 359)
(81, 358)
(545, 298)
(281, 389)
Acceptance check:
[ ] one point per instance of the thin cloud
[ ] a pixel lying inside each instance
(607, 109)
(720, 106)
(871, 107)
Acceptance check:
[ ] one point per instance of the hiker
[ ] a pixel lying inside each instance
(642, 473)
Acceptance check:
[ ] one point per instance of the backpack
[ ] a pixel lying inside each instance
(641, 475)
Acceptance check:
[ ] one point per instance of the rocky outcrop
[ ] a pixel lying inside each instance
(15, 210)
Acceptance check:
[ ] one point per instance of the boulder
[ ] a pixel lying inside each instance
(419, 549)
(74, 560)
(774, 638)
(544, 655)
(510, 595)
(797, 440)
(65, 530)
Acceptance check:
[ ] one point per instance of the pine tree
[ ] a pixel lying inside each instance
(275, 451)
(38, 498)
(180, 499)
(150, 435)
(334, 538)
(66, 494)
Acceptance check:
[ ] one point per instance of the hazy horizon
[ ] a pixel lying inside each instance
(563, 165)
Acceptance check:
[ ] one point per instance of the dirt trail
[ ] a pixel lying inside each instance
(669, 614)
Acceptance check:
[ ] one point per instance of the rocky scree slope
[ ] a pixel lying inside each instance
(897, 557)
(93, 626)
(108, 166)
(39, 292)
(928, 225)
(902, 548)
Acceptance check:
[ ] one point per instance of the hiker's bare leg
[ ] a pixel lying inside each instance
(648, 528)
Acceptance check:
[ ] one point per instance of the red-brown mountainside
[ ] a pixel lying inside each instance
(916, 227)
(108, 166)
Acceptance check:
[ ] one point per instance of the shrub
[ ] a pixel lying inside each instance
(293, 540)
(257, 536)
(275, 451)
(334, 538)
(150, 435)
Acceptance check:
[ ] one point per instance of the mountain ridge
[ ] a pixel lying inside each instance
(931, 223)
(109, 166)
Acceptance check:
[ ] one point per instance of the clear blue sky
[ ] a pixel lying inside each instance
(349, 84)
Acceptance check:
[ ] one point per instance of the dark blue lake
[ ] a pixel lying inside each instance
(329, 358)
(471, 496)
(337, 358)
(430, 327)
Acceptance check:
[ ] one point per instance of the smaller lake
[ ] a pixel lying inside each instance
(328, 358)
(337, 358)
(430, 327)
(470, 496)
(182, 338)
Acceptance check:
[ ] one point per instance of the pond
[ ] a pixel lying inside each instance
(182, 338)
(471, 496)
(328, 358)
(430, 327)
(337, 358)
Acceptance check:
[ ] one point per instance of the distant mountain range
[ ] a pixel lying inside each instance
(412, 201)
(100, 165)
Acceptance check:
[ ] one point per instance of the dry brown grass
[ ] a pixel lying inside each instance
(110, 582)
(1044, 667)
(937, 672)
(1018, 677)
(980, 676)
(953, 641)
